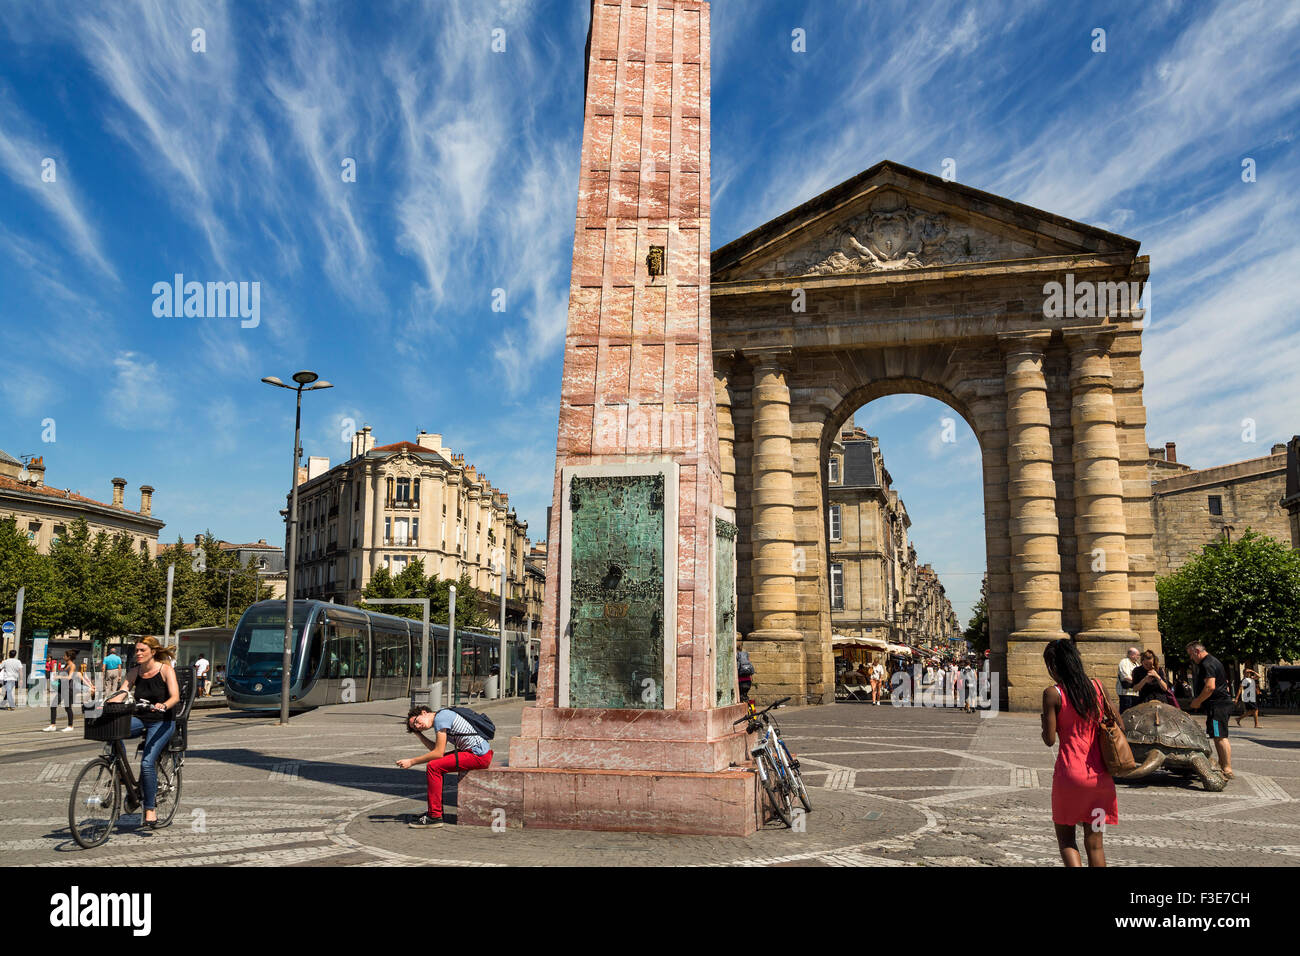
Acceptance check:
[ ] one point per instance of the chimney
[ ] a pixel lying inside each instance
(146, 499)
(261, 541)
(317, 466)
(367, 440)
(1170, 452)
(119, 487)
(302, 474)
(36, 471)
(428, 440)
(1278, 449)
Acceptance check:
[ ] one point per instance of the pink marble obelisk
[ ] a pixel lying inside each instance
(637, 396)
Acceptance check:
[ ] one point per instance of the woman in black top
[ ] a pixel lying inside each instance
(1150, 681)
(154, 682)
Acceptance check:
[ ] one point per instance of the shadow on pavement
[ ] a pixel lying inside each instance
(388, 781)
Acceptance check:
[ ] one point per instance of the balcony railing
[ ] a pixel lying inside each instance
(402, 503)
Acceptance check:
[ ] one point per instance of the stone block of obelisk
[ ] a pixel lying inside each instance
(632, 729)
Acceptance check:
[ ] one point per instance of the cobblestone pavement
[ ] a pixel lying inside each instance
(890, 787)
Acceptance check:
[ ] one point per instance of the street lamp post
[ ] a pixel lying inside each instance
(307, 381)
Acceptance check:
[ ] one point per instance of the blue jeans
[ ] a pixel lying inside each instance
(156, 736)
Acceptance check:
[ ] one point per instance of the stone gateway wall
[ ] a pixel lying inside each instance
(1056, 404)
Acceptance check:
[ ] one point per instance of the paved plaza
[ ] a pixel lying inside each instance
(890, 787)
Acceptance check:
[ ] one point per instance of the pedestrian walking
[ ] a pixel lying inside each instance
(1210, 683)
(744, 673)
(1083, 792)
(11, 676)
(65, 680)
(1248, 694)
(113, 672)
(201, 675)
(1124, 685)
(469, 751)
(971, 680)
(877, 678)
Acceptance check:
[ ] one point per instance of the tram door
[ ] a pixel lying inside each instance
(347, 661)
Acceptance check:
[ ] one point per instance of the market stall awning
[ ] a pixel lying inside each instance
(839, 640)
(902, 650)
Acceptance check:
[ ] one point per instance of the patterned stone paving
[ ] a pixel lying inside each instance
(890, 787)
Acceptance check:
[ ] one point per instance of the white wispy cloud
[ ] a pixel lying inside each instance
(139, 397)
(23, 154)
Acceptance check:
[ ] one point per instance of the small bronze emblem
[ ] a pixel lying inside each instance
(654, 261)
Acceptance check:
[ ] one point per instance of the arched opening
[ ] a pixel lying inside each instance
(903, 490)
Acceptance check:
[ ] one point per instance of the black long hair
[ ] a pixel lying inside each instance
(1062, 659)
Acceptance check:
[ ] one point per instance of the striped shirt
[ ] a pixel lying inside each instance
(461, 734)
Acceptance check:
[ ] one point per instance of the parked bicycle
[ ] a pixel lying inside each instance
(778, 769)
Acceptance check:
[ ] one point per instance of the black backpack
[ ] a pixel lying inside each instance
(743, 667)
(481, 723)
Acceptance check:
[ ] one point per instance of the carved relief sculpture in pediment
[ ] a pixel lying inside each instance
(890, 235)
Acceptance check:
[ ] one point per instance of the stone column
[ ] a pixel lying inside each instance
(773, 501)
(1031, 495)
(1100, 528)
(723, 362)
(775, 647)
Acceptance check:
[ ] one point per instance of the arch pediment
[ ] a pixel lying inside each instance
(892, 219)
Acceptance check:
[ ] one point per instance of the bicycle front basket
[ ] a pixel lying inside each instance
(113, 724)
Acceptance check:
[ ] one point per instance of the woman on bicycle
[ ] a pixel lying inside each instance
(154, 682)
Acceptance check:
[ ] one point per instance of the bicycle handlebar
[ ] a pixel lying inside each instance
(760, 713)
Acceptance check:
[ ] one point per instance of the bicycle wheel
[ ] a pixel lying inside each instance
(169, 788)
(95, 803)
(796, 778)
(778, 793)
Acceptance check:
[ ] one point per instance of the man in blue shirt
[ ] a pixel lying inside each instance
(112, 671)
(457, 746)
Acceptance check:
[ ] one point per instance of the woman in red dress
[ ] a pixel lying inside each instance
(1082, 791)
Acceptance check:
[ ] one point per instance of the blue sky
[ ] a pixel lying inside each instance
(225, 165)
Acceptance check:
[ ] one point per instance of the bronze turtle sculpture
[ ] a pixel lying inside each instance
(1164, 737)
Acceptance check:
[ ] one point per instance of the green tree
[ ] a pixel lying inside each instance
(469, 605)
(1241, 599)
(72, 561)
(114, 586)
(977, 631)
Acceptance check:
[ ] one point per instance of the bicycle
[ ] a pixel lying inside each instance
(106, 786)
(778, 769)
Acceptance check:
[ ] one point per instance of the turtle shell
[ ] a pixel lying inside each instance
(1160, 725)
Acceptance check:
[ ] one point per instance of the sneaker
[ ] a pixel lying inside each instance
(67, 729)
(49, 728)
(424, 821)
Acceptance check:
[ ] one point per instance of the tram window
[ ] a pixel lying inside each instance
(333, 655)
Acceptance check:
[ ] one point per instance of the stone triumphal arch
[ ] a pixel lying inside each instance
(899, 281)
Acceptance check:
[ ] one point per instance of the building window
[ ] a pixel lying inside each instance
(415, 491)
(837, 587)
(59, 532)
(415, 531)
(388, 531)
(835, 522)
(1216, 505)
(404, 490)
(833, 471)
(400, 530)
